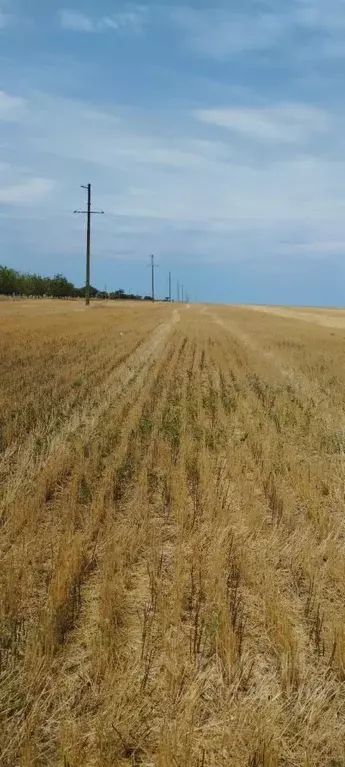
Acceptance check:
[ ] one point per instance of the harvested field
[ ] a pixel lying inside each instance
(172, 537)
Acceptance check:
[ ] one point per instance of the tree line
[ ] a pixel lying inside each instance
(14, 283)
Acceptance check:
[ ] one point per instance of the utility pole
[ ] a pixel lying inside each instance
(170, 296)
(88, 213)
(178, 291)
(182, 293)
(153, 267)
(153, 277)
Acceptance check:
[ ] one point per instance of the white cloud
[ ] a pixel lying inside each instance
(12, 108)
(164, 191)
(75, 21)
(318, 247)
(28, 192)
(287, 123)
(124, 20)
(221, 32)
(5, 17)
(131, 19)
(326, 15)
(110, 139)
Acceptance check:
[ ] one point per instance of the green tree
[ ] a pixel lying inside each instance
(9, 281)
(60, 287)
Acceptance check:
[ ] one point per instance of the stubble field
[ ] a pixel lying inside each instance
(172, 569)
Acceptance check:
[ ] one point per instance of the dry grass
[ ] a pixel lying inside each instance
(172, 541)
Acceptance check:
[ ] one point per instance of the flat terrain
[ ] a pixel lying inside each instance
(172, 550)
(327, 317)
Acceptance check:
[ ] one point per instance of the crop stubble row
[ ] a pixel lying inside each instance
(173, 572)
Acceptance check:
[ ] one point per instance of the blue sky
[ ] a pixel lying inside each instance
(213, 134)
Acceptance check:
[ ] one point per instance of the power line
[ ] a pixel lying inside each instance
(88, 213)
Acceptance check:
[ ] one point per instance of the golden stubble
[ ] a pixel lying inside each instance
(172, 537)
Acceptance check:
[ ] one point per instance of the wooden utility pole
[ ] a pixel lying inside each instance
(88, 247)
(170, 295)
(153, 266)
(178, 291)
(153, 276)
(88, 213)
(182, 293)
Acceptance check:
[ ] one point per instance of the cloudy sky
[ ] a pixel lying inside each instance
(212, 132)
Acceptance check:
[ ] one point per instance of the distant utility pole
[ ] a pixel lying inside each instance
(88, 213)
(153, 267)
(170, 295)
(178, 291)
(182, 293)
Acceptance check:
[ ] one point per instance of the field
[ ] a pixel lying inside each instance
(172, 569)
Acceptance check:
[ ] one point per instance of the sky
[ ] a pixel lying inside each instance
(212, 133)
